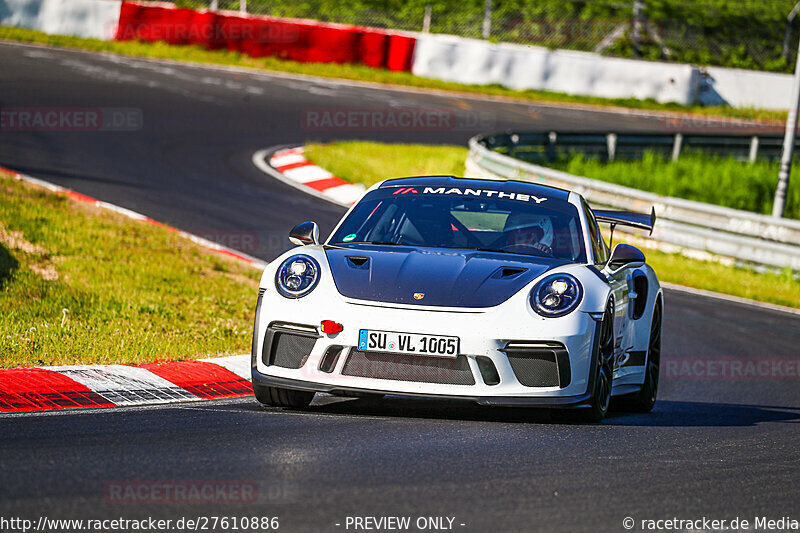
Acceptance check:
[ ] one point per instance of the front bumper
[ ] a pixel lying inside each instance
(497, 401)
(484, 335)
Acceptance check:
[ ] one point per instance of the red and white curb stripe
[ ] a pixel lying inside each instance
(205, 243)
(94, 386)
(291, 166)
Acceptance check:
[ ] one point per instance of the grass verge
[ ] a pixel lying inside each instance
(79, 284)
(370, 162)
(195, 54)
(367, 163)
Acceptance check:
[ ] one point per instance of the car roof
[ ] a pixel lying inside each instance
(503, 185)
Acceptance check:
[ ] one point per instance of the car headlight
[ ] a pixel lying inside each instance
(297, 276)
(556, 295)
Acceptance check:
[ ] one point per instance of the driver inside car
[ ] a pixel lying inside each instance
(525, 230)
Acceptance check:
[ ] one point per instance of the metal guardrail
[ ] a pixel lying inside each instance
(542, 147)
(740, 235)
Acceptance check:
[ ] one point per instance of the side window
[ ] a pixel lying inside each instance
(599, 246)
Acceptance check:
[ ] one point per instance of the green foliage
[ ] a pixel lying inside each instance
(703, 178)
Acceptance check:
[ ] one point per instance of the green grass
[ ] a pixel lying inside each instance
(83, 285)
(367, 163)
(195, 54)
(370, 162)
(713, 180)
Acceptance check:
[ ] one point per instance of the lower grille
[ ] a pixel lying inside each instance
(287, 349)
(398, 367)
(539, 365)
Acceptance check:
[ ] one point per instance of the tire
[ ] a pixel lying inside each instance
(604, 371)
(644, 400)
(278, 397)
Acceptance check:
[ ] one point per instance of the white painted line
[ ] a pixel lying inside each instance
(41, 183)
(125, 385)
(122, 211)
(238, 364)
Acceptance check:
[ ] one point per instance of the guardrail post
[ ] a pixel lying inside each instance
(639, 22)
(551, 146)
(676, 147)
(779, 205)
(426, 20)
(243, 6)
(753, 149)
(512, 147)
(214, 5)
(611, 144)
(487, 19)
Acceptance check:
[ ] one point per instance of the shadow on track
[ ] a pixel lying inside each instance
(666, 413)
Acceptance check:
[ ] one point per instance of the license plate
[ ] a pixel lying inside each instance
(371, 340)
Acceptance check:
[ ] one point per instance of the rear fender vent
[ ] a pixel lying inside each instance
(640, 285)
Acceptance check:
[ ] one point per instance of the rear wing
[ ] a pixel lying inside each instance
(626, 218)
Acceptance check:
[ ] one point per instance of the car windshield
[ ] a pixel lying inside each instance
(440, 217)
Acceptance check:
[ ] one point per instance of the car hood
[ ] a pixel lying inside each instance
(432, 277)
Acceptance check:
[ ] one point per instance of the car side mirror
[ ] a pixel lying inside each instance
(625, 255)
(304, 233)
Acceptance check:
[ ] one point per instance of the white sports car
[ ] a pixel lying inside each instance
(501, 292)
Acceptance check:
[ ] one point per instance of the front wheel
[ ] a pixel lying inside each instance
(278, 397)
(601, 396)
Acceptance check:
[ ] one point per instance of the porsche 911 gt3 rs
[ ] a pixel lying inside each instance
(502, 292)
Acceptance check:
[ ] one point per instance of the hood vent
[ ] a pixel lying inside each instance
(358, 262)
(509, 272)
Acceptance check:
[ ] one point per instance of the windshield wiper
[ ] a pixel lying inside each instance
(498, 250)
(392, 243)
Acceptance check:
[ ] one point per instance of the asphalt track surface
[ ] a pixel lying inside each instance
(720, 448)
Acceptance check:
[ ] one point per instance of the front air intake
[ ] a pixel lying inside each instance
(288, 345)
(539, 364)
(488, 370)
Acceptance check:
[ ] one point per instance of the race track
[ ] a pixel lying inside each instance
(719, 448)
